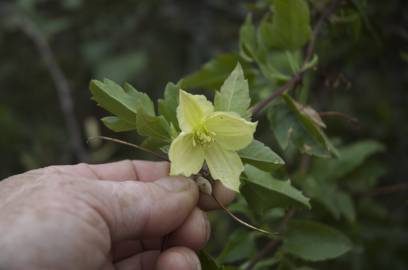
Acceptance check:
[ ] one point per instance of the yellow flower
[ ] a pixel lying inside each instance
(213, 137)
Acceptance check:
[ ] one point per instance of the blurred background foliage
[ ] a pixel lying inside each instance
(362, 71)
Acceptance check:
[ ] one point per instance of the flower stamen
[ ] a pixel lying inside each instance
(203, 137)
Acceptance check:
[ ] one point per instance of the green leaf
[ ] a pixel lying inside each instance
(311, 121)
(335, 201)
(143, 100)
(289, 128)
(234, 94)
(240, 246)
(300, 125)
(154, 144)
(116, 124)
(350, 158)
(264, 192)
(365, 176)
(323, 193)
(274, 64)
(207, 262)
(261, 156)
(168, 106)
(290, 28)
(121, 67)
(123, 103)
(248, 40)
(267, 263)
(313, 241)
(346, 206)
(153, 126)
(305, 268)
(212, 74)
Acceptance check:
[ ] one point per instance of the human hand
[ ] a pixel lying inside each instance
(107, 216)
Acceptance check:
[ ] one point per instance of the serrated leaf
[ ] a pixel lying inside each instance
(261, 156)
(314, 241)
(116, 124)
(264, 192)
(290, 28)
(168, 106)
(123, 103)
(234, 94)
(142, 99)
(212, 74)
(153, 126)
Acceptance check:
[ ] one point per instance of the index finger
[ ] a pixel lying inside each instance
(145, 171)
(140, 170)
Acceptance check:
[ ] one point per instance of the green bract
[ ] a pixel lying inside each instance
(210, 136)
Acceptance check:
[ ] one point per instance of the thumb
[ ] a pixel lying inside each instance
(134, 209)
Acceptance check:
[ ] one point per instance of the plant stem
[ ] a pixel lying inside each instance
(386, 190)
(273, 244)
(158, 155)
(340, 114)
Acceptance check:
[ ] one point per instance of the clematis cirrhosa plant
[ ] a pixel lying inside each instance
(209, 136)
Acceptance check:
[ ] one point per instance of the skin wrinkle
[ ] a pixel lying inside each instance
(69, 212)
(142, 207)
(91, 170)
(10, 196)
(134, 170)
(58, 208)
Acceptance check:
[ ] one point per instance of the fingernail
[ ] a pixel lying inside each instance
(175, 184)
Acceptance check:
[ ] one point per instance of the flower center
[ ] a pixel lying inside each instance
(203, 137)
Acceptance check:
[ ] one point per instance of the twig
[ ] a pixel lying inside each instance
(298, 77)
(246, 224)
(273, 244)
(330, 8)
(386, 190)
(295, 81)
(139, 147)
(61, 84)
(340, 114)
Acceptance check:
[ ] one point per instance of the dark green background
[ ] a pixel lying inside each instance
(363, 72)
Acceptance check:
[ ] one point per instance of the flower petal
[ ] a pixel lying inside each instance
(224, 165)
(231, 131)
(192, 110)
(186, 159)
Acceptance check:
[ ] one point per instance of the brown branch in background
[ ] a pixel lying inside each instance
(298, 77)
(61, 85)
(272, 245)
(292, 83)
(347, 117)
(386, 190)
